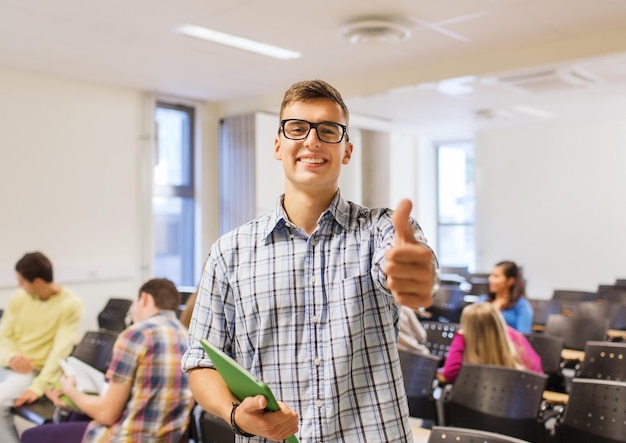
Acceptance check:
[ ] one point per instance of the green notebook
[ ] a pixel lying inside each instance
(241, 382)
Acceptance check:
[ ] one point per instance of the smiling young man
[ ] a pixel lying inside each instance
(306, 297)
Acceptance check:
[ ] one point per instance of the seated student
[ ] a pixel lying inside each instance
(148, 396)
(507, 293)
(38, 328)
(484, 338)
(411, 334)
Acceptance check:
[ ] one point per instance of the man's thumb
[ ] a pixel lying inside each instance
(404, 230)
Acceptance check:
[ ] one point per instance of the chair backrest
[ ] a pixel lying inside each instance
(610, 293)
(573, 295)
(604, 360)
(96, 348)
(114, 314)
(479, 286)
(418, 373)
(439, 335)
(214, 430)
(577, 331)
(543, 308)
(596, 308)
(618, 318)
(450, 434)
(497, 399)
(549, 348)
(595, 412)
(461, 271)
(448, 304)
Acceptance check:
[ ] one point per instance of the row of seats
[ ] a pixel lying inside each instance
(510, 401)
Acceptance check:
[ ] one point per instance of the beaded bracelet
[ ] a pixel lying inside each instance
(234, 426)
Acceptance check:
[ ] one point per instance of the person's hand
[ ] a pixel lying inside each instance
(25, 398)
(410, 265)
(251, 417)
(21, 364)
(54, 395)
(67, 383)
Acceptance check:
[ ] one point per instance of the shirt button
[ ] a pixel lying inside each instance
(312, 279)
(291, 236)
(316, 361)
(315, 319)
(318, 403)
(313, 242)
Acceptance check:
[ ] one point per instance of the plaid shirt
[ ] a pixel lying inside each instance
(312, 317)
(148, 354)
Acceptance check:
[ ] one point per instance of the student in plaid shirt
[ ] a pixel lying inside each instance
(148, 397)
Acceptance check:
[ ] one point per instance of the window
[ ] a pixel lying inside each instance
(173, 197)
(456, 204)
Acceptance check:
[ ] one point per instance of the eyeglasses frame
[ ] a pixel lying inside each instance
(314, 126)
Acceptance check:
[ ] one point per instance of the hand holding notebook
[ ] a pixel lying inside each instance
(241, 382)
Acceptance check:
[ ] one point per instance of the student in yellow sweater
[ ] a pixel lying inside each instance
(39, 327)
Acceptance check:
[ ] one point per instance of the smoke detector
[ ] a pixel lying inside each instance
(376, 30)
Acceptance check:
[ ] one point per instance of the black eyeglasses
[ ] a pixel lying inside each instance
(328, 132)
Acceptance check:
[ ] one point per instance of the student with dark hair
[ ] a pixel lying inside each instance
(39, 327)
(307, 296)
(507, 292)
(148, 397)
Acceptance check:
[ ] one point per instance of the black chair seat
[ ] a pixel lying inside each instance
(419, 374)
(595, 412)
(439, 335)
(604, 360)
(497, 399)
(95, 349)
(577, 331)
(447, 434)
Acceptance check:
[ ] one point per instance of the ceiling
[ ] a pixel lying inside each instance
(462, 47)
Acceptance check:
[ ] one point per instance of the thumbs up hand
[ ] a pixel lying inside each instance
(409, 264)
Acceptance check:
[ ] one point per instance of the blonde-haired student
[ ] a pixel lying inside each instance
(485, 338)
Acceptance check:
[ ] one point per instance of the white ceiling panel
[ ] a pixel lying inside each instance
(132, 44)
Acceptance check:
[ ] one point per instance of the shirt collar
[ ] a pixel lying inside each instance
(339, 209)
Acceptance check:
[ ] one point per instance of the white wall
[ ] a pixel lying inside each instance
(69, 183)
(72, 174)
(553, 198)
(73, 153)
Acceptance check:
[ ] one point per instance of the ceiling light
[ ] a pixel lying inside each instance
(456, 86)
(236, 42)
(533, 112)
(376, 30)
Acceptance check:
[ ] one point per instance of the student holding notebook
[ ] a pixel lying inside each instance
(306, 297)
(148, 397)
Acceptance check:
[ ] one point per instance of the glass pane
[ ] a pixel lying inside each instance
(456, 183)
(173, 153)
(173, 239)
(457, 246)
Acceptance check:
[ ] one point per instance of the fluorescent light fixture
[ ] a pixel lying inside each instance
(533, 112)
(236, 42)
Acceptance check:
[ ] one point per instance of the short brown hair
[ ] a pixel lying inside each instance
(164, 293)
(35, 265)
(312, 90)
